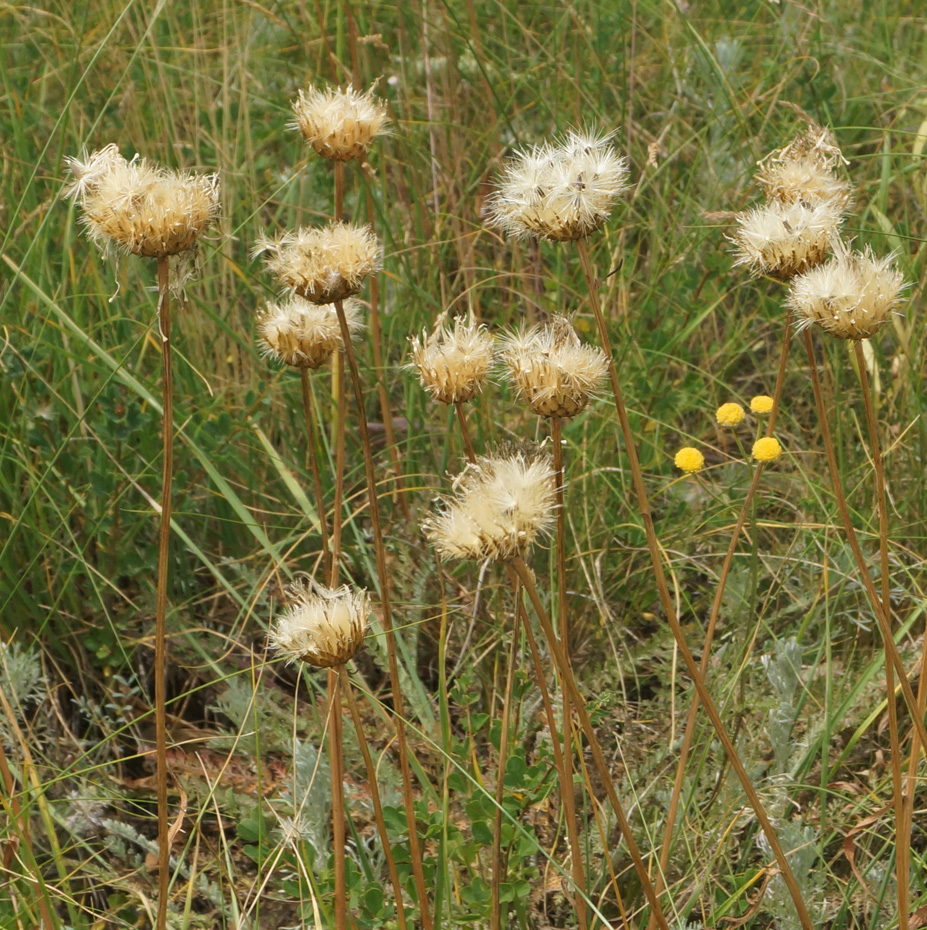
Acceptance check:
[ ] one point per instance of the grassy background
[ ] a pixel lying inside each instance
(696, 93)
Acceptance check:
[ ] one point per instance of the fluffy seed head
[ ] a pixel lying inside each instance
(767, 449)
(322, 265)
(851, 296)
(303, 334)
(689, 460)
(339, 123)
(499, 508)
(560, 192)
(552, 371)
(322, 626)
(453, 362)
(729, 414)
(140, 208)
(762, 403)
(783, 240)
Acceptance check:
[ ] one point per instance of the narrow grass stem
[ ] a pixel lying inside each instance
(569, 801)
(666, 848)
(164, 539)
(341, 410)
(566, 674)
(336, 766)
(667, 601)
(874, 599)
(371, 770)
(902, 835)
(497, 858)
(387, 619)
(314, 468)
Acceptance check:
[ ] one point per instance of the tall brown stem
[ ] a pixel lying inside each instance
(164, 539)
(382, 574)
(341, 411)
(902, 835)
(314, 467)
(667, 601)
(336, 766)
(666, 848)
(884, 623)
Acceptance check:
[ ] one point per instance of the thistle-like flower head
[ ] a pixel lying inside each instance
(553, 372)
(783, 240)
(322, 265)
(499, 508)
(322, 626)
(140, 208)
(339, 123)
(559, 192)
(851, 296)
(302, 334)
(453, 361)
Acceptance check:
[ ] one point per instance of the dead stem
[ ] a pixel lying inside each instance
(653, 546)
(314, 468)
(336, 765)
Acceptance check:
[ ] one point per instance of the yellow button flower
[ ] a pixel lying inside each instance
(767, 449)
(729, 414)
(762, 403)
(689, 459)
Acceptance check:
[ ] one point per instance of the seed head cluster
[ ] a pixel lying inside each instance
(552, 371)
(785, 239)
(454, 361)
(140, 208)
(851, 296)
(302, 334)
(560, 192)
(322, 265)
(499, 508)
(339, 123)
(322, 626)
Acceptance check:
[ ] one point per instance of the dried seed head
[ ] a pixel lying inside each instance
(322, 626)
(302, 334)
(851, 296)
(499, 508)
(140, 208)
(804, 170)
(453, 362)
(339, 123)
(322, 265)
(553, 372)
(559, 192)
(783, 240)
(689, 460)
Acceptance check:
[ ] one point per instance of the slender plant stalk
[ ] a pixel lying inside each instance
(382, 574)
(713, 619)
(874, 599)
(566, 673)
(653, 546)
(341, 410)
(902, 837)
(569, 800)
(348, 692)
(164, 539)
(336, 765)
(314, 468)
(497, 863)
(465, 432)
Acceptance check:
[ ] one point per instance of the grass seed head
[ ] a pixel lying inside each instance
(339, 123)
(302, 334)
(322, 626)
(140, 208)
(322, 265)
(553, 372)
(559, 192)
(784, 240)
(851, 296)
(689, 460)
(499, 508)
(454, 361)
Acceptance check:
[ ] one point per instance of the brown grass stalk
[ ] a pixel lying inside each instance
(336, 766)
(314, 468)
(667, 601)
